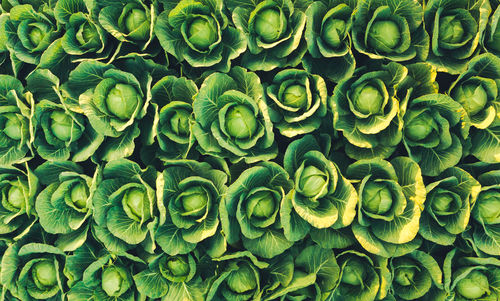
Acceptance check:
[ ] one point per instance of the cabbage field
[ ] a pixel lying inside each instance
(250, 150)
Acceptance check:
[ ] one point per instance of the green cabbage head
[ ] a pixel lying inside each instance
(250, 211)
(389, 213)
(198, 33)
(39, 272)
(456, 29)
(382, 30)
(367, 111)
(232, 121)
(297, 102)
(192, 193)
(273, 31)
(65, 205)
(322, 201)
(16, 121)
(448, 206)
(113, 101)
(435, 128)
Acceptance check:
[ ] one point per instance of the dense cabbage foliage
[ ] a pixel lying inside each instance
(250, 150)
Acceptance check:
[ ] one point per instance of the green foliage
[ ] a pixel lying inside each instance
(257, 150)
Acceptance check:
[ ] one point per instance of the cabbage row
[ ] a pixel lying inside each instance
(288, 150)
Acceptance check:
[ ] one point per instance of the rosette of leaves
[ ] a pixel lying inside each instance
(455, 29)
(125, 207)
(303, 273)
(198, 32)
(33, 271)
(390, 29)
(129, 21)
(232, 119)
(61, 132)
(240, 278)
(83, 38)
(64, 207)
(297, 102)
(414, 274)
(30, 32)
(172, 99)
(107, 278)
(322, 201)
(113, 101)
(448, 206)
(435, 127)
(19, 188)
(486, 214)
(328, 39)
(361, 278)
(273, 30)
(250, 210)
(191, 192)
(492, 37)
(391, 197)
(367, 110)
(173, 278)
(16, 121)
(471, 278)
(478, 91)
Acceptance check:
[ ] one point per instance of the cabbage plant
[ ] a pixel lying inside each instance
(189, 196)
(112, 100)
(19, 188)
(32, 271)
(486, 213)
(478, 91)
(327, 33)
(322, 200)
(367, 110)
(239, 279)
(29, 32)
(448, 206)
(65, 205)
(101, 276)
(172, 100)
(231, 118)
(62, 132)
(390, 29)
(297, 102)
(414, 274)
(125, 207)
(199, 33)
(250, 210)
(84, 37)
(391, 198)
(16, 121)
(435, 129)
(470, 277)
(361, 278)
(455, 29)
(173, 277)
(273, 30)
(129, 21)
